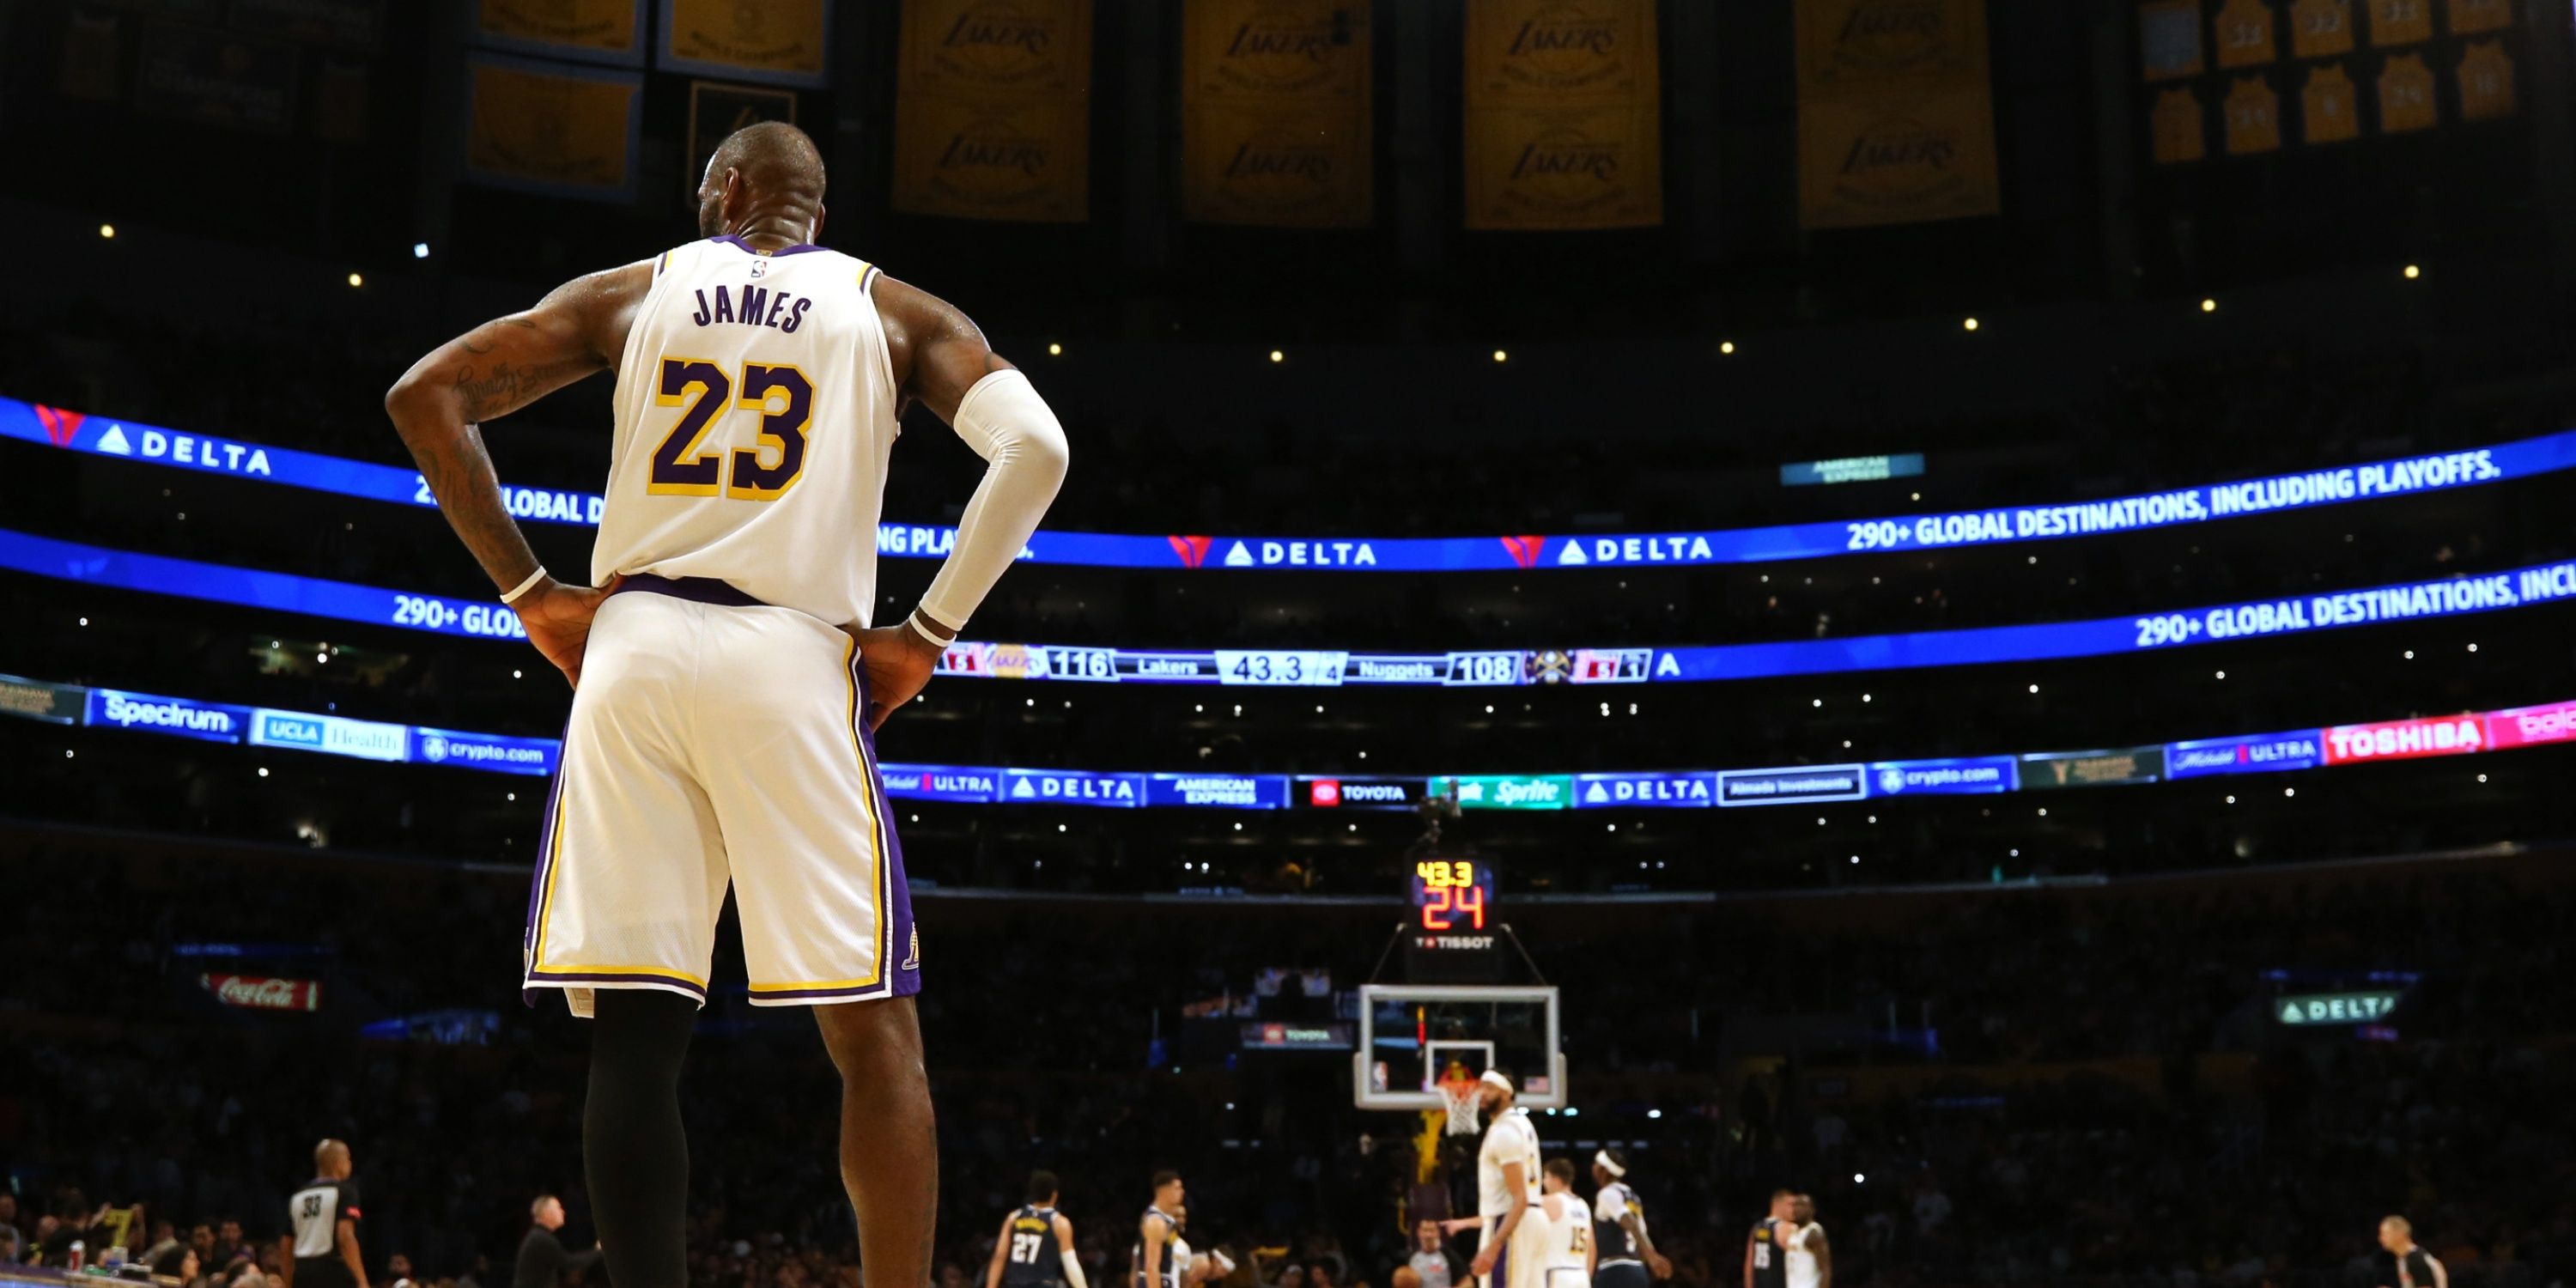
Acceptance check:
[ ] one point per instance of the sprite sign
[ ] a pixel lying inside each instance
(1507, 791)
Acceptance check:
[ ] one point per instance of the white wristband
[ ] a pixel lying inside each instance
(931, 631)
(512, 596)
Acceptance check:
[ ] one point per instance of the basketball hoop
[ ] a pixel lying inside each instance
(1462, 1097)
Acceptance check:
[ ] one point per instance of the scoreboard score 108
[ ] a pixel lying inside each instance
(1451, 937)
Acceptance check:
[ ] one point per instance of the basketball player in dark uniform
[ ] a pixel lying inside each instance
(1035, 1249)
(324, 1216)
(1156, 1234)
(1619, 1228)
(1766, 1263)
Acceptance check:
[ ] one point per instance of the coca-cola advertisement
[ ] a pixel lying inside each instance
(264, 994)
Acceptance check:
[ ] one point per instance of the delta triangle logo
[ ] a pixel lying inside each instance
(1023, 790)
(113, 441)
(1239, 557)
(2290, 1014)
(1192, 550)
(1525, 550)
(1571, 556)
(60, 425)
(1595, 796)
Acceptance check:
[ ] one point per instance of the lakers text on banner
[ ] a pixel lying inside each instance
(1277, 117)
(993, 110)
(213, 77)
(1900, 157)
(1564, 124)
(774, 42)
(601, 31)
(552, 127)
(1895, 113)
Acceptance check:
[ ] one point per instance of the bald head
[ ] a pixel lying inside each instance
(331, 1159)
(765, 180)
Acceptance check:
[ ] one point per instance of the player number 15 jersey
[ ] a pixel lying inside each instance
(755, 416)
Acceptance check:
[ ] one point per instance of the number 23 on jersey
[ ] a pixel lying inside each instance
(706, 393)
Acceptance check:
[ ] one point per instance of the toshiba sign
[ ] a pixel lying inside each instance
(2402, 739)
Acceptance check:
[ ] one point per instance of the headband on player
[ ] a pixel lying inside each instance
(1601, 1159)
(1497, 1079)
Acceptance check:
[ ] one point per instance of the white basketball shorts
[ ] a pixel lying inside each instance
(716, 739)
(1523, 1260)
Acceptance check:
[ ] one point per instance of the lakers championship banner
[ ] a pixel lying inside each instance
(773, 42)
(553, 128)
(1276, 119)
(1564, 117)
(1895, 113)
(599, 31)
(993, 110)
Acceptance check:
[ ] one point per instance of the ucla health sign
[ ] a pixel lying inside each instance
(2259, 753)
(330, 735)
(1970, 776)
(177, 716)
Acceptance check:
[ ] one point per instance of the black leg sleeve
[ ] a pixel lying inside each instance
(635, 1151)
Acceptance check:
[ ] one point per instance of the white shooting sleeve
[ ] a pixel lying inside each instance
(1023, 446)
(1073, 1270)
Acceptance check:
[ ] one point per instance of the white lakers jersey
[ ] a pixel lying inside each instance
(1569, 1234)
(755, 416)
(1508, 1139)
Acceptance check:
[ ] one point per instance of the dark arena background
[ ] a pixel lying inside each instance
(1959, 607)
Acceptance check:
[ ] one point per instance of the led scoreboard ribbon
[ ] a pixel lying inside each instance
(2404, 476)
(1460, 891)
(486, 619)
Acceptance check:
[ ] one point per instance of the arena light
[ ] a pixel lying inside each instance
(2208, 306)
(263, 771)
(84, 621)
(1859, 1179)
(2034, 688)
(107, 232)
(420, 250)
(2412, 272)
(1968, 324)
(1726, 346)
(1501, 356)
(2289, 791)
(516, 674)
(1055, 350)
(1277, 356)
(357, 279)
(1654, 1113)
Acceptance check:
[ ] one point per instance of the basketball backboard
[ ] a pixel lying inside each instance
(1409, 1034)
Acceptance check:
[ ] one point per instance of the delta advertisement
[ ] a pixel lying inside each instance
(259, 463)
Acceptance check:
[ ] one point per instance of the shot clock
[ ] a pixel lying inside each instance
(1454, 935)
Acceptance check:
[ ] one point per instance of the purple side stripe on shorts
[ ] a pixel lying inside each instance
(896, 892)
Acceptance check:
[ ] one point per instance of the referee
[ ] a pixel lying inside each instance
(542, 1259)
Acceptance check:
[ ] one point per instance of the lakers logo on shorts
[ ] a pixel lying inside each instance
(912, 958)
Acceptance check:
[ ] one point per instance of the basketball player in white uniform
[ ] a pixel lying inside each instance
(1512, 1251)
(1570, 1245)
(728, 679)
(1809, 1260)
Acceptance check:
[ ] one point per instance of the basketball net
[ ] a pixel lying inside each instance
(1463, 1097)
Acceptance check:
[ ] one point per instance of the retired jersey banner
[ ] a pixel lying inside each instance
(1564, 114)
(554, 128)
(1895, 113)
(775, 42)
(993, 110)
(1276, 119)
(213, 77)
(600, 31)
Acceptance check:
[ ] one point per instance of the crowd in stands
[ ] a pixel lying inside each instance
(2076, 1087)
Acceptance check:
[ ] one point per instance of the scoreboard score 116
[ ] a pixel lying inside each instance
(1452, 895)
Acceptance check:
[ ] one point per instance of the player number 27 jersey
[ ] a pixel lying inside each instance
(755, 411)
